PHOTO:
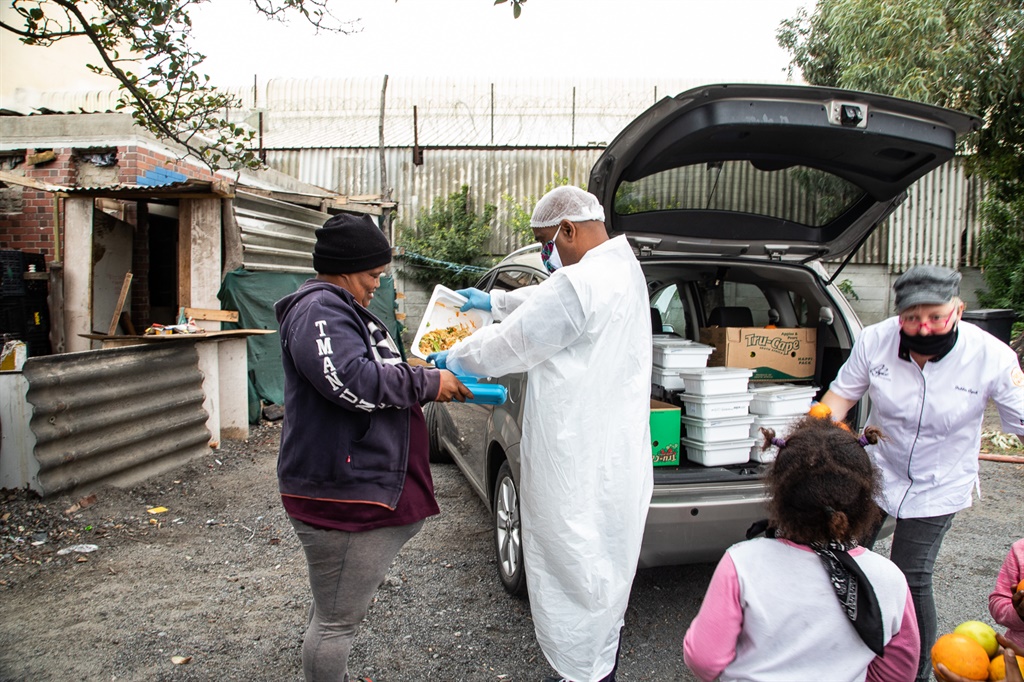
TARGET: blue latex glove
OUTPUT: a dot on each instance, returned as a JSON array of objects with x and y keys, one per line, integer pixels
[
  {"x": 481, "y": 300},
  {"x": 440, "y": 359}
]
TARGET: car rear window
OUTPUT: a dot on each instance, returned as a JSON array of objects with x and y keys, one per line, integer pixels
[{"x": 797, "y": 193}]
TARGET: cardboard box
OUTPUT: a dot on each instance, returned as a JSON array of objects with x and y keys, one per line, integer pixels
[
  {"x": 665, "y": 422},
  {"x": 773, "y": 354}
]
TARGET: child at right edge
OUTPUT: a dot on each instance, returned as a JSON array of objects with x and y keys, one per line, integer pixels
[{"x": 1006, "y": 603}]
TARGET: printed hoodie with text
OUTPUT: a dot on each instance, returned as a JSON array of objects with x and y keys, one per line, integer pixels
[{"x": 347, "y": 392}]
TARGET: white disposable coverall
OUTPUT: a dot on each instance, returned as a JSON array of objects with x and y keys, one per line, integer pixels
[{"x": 584, "y": 337}]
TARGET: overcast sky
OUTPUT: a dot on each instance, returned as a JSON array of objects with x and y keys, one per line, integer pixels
[{"x": 713, "y": 40}]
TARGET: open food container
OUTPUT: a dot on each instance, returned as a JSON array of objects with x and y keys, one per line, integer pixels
[{"x": 443, "y": 324}]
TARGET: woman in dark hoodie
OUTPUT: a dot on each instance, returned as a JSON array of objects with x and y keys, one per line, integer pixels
[{"x": 353, "y": 467}]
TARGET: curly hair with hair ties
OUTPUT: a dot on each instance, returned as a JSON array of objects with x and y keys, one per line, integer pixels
[{"x": 822, "y": 484}]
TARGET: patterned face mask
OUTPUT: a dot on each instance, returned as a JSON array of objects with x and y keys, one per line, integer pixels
[{"x": 549, "y": 253}]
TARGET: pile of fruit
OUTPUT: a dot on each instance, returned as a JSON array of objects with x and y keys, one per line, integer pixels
[{"x": 972, "y": 651}]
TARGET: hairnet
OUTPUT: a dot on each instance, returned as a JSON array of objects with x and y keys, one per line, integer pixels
[{"x": 566, "y": 203}]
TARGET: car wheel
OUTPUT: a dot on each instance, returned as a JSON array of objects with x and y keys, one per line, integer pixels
[
  {"x": 438, "y": 455},
  {"x": 508, "y": 533}
]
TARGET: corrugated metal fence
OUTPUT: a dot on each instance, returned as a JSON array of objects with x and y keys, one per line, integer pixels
[
  {"x": 493, "y": 176},
  {"x": 937, "y": 224},
  {"x": 115, "y": 415}
]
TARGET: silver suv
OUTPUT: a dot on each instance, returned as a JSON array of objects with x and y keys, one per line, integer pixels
[{"x": 731, "y": 195}]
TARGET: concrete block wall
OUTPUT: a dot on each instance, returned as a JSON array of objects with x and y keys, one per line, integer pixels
[{"x": 873, "y": 286}]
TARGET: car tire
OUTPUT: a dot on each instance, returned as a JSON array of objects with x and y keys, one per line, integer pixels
[
  {"x": 438, "y": 455},
  {"x": 508, "y": 533}
]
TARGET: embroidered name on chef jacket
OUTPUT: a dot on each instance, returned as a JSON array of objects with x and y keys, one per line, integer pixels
[{"x": 325, "y": 350}]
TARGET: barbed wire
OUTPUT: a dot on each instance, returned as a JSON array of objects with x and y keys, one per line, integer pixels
[{"x": 426, "y": 261}]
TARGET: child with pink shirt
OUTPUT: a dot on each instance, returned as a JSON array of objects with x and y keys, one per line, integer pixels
[
  {"x": 1006, "y": 603},
  {"x": 806, "y": 603}
]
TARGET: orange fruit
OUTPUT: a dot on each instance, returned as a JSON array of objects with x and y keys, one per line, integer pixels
[
  {"x": 997, "y": 668},
  {"x": 820, "y": 410},
  {"x": 1020, "y": 586},
  {"x": 961, "y": 655}
]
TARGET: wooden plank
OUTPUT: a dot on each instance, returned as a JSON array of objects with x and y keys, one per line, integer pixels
[
  {"x": 211, "y": 314},
  {"x": 126, "y": 323},
  {"x": 120, "y": 303},
  {"x": 21, "y": 181},
  {"x": 41, "y": 157}
]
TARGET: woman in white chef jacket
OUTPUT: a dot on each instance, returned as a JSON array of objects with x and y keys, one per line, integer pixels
[{"x": 929, "y": 376}]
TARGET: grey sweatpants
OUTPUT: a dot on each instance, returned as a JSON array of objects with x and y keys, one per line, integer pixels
[{"x": 345, "y": 569}]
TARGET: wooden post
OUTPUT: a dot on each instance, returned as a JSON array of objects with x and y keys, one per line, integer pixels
[{"x": 125, "y": 286}]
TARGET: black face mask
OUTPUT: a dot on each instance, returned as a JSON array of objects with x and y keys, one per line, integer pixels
[{"x": 933, "y": 344}]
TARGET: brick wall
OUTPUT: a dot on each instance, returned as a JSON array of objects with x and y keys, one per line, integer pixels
[{"x": 26, "y": 214}]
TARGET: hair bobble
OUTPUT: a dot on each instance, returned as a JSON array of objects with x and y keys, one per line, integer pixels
[
  {"x": 779, "y": 442},
  {"x": 863, "y": 440}
]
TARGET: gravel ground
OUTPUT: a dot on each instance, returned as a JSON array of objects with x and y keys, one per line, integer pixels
[{"x": 215, "y": 588}]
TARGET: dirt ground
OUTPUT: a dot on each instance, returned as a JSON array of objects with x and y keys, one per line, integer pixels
[{"x": 214, "y": 588}]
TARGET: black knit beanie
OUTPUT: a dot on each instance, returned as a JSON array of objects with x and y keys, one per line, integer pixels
[{"x": 349, "y": 243}]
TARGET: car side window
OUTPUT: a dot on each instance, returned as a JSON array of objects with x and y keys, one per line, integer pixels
[
  {"x": 512, "y": 279},
  {"x": 670, "y": 305},
  {"x": 734, "y": 297}
]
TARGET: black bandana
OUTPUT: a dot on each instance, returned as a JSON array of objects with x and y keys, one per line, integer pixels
[
  {"x": 855, "y": 593},
  {"x": 936, "y": 345}
]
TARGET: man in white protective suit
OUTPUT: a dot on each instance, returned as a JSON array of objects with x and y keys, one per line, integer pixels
[{"x": 584, "y": 337}]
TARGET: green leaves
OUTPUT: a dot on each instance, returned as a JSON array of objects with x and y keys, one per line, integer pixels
[
  {"x": 447, "y": 245},
  {"x": 161, "y": 83},
  {"x": 963, "y": 54},
  {"x": 517, "y": 6}
]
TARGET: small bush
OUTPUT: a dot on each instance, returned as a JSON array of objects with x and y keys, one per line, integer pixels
[{"x": 448, "y": 244}]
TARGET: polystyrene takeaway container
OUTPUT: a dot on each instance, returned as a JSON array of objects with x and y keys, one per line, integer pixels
[
  {"x": 715, "y": 380},
  {"x": 717, "y": 454},
  {"x": 442, "y": 313},
  {"x": 781, "y": 425},
  {"x": 781, "y": 399},
  {"x": 680, "y": 353},
  {"x": 715, "y": 406},
  {"x": 717, "y": 429}
]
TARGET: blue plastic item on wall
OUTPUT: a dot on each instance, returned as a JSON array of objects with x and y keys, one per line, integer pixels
[{"x": 484, "y": 394}]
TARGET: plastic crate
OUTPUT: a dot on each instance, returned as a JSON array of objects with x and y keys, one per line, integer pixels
[
  {"x": 718, "y": 454},
  {"x": 781, "y": 399},
  {"x": 717, "y": 430},
  {"x": 680, "y": 353},
  {"x": 715, "y": 406},
  {"x": 781, "y": 425},
  {"x": 35, "y": 262},
  {"x": 12, "y": 266},
  {"x": 715, "y": 380},
  {"x": 13, "y": 317}
]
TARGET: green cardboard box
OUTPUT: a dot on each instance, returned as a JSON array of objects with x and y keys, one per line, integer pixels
[{"x": 664, "y": 433}]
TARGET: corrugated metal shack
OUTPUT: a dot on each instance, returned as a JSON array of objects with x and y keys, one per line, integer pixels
[{"x": 134, "y": 236}]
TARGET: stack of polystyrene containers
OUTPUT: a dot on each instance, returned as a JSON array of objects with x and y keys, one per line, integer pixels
[
  {"x": 717, "y": 419},
  {"x": 672, "y": 354},
  {"x": 776, "y": 406}
]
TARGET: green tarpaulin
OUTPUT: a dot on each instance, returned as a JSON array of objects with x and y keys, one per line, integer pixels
[{"x": 253, "y": 295}]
